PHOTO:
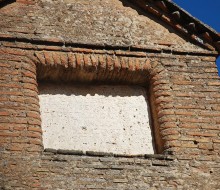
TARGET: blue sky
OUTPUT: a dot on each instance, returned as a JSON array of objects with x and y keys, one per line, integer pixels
[{"x": 208, "y": 11}]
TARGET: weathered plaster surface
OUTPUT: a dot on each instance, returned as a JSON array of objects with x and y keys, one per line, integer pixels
[
  {"x": 113, "y": 23},
  {"x": 96, "y": 118}
]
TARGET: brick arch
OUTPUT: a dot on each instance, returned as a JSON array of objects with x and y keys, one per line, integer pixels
[{"x": 91, "y": 67}]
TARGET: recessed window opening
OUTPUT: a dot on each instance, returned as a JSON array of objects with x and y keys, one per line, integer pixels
[{"x": 103, "y": 118}]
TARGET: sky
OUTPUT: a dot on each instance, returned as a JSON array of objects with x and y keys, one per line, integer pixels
[{"x": 207, "y": 11}]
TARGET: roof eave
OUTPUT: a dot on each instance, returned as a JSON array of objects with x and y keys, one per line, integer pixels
[{"x": 183, "y": 22}]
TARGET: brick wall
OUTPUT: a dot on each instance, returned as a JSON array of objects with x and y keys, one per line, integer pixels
[
  {"x": 194, "y": 87},
  {"x": 20, "y": 119},
  {"x": 181, "y": 79},
  {"x": 56, "y": 171},
  {"x": 184, "y": 93}
]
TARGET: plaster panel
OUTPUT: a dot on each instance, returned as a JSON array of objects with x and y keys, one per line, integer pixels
[{"x": 95, "y": 118}]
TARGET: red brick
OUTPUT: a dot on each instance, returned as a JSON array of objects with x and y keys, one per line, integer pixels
[
  {"x": 173, "y": 143},
  {"x": 29, "y": 93},
  {"x": 5, "y": 65},
  {"x": 16, "y": 147},
  {"x": 166, "y": 119},
  {"x": 168, "y": 125},
  {"x": 211, "y": 70},
  {"x": 4, "y": 113},
  {"x": 36, "y": 129},
  {"x": 216, "y": 140},
  {"x": 14, "y": 51},
  {"x": 216, "y": 146},
  {"x": 165, "y": 112},
  {"x": 211, "y": 127},
  {"x": 160, "y": 82},
  {"x": 29, "y": 74},
  {"x": 35, "y": 148},
  {"x": 87, "y": 62},
  {"x": 72, "y": 60},
  {"x": 202, "y": 134},
  {"x": 110, "y": 63},
  {"x": 206, "y": 146},
  {"x": 188, "y": 144},
  {"x": 20, "y": 140},
  {"x": 79, "y": 61},
  {"x": 20, "y": 128},
  {"x": 216, "y": 83},
  {"x": 163, "y": 100},
  {"x": 34, "y": 121},
  {"x": 64, "y": 59},
  {"x": 206, "y": 58},
  {"x": 48, "y": 58},
  {"x": 102, "y": 62},
  {"x": 2, "y": 127},
  {"x": 33, "y": 115},
  {"x": 32, "y": 134},
  {"x": 117, "y": 63},
  {"x": 36, "y": 141},
  {"x": 169, "y": 132},
  {"x": 83, "y": 50},
  {"x": 188, "y": 125},
  {"x": 9, "y": 134},
  {"x": 131, "y": 64},
  {"x": 30, "y": 86},
  {"x": 41, "y": 57},
  {"x": 182, "y": 112}
]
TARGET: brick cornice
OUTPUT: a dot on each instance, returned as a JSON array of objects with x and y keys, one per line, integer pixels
[{"x": 55, "y": 44}]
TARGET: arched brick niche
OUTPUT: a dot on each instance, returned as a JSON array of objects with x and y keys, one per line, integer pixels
[
  {"x": 85, "y": 66},
  {"x": 20, "y": 116}
]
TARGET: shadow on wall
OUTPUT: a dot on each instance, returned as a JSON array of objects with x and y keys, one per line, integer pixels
[{"x": 69, "y": 89}]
